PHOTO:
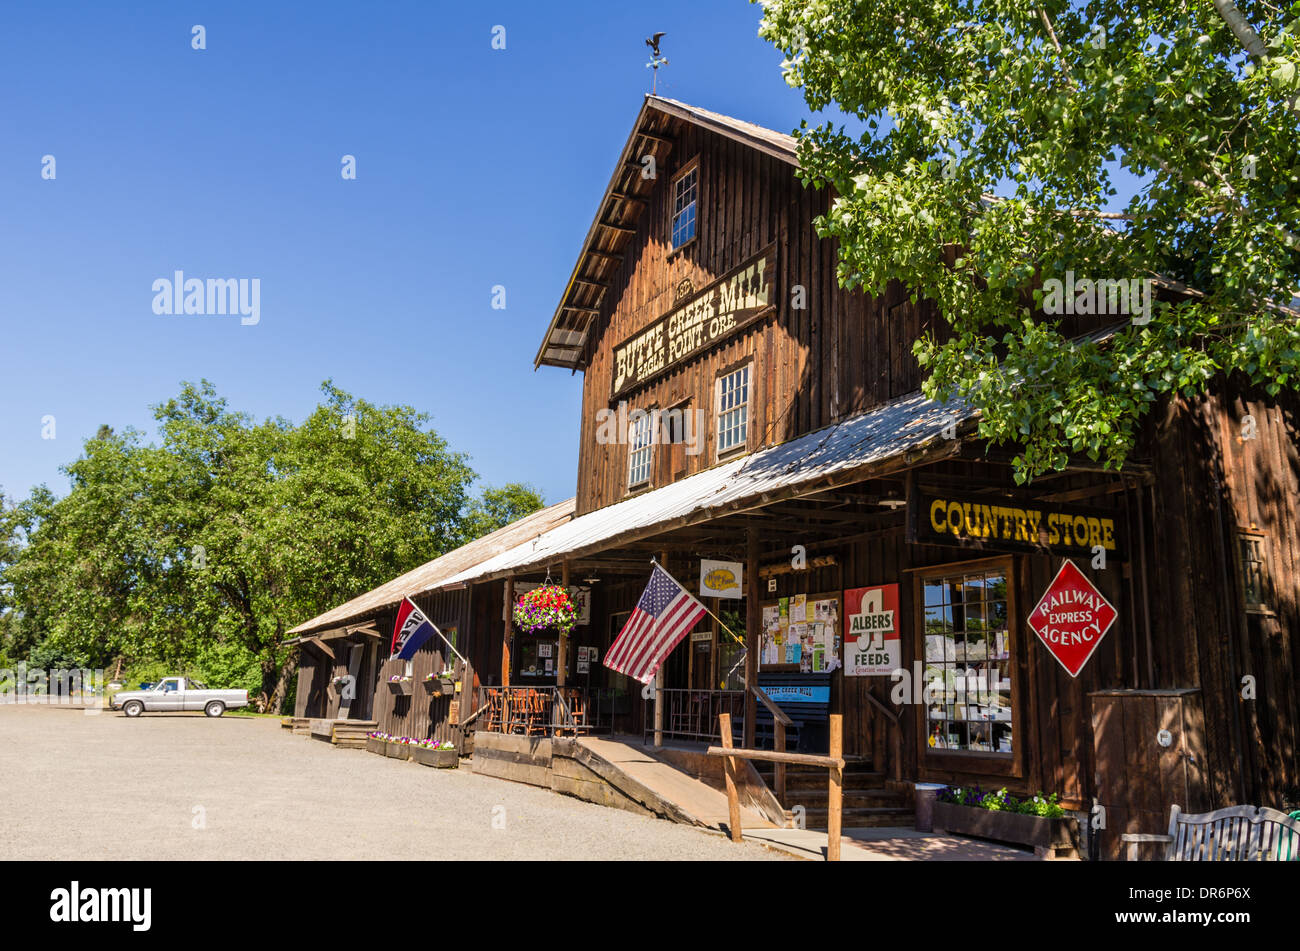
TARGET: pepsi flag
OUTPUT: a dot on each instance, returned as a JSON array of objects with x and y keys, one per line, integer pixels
[
  {"x": 663, "y": 616},
  {"x": 411, "y": 630}
]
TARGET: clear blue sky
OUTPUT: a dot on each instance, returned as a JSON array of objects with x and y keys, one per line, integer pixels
[{"x": 475, "y": 167}]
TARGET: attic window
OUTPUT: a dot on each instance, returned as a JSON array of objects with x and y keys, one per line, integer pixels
[{"x": 686, "y": 192}]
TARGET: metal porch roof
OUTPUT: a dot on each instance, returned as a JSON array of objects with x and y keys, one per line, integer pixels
[{"x": 857, "y": 446}]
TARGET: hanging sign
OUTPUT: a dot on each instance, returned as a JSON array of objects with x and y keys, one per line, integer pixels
[
  {"x": 993, "y": 523},
  {"x": 721, "y": 579},
  {"x": 1072, "y": 618},
  {"x": 738, "y": 298},
  {"x": 798, "y": 693},
  {"x": 872, "y": 647}
]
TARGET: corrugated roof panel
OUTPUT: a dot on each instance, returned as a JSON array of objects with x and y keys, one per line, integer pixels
[
  {"x": 433, "y": 574},
  {"x": 857, "y": 442}
]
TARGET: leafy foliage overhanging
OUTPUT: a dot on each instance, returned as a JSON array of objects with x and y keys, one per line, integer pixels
[{"x": 1042, "y": 105}]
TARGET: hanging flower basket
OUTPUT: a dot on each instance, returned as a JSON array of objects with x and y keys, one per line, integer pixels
[
  {"x": 400, "y": 685},
  {"x": 549, "y": 607}
]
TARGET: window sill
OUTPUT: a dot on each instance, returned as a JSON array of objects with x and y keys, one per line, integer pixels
[{"x": 678, "y": 250}]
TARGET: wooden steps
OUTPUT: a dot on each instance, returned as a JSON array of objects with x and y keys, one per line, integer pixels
[
  {"x": 867, "y": 802},
  {"x": 860, "y": 817},
  {"x": 349, "y": 734}
]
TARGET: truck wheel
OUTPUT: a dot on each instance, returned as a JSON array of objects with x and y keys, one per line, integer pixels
[
  {"x": 214, "y": 709},
  {"x": 133, "y": 708}
]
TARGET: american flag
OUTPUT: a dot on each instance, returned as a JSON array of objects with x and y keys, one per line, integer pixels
[{"x": 663, "y": 616}]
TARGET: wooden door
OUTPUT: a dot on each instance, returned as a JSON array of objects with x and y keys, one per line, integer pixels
[{"x": 1150, "y": 754}]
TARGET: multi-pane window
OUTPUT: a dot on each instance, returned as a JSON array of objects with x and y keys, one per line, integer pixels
[
  {"x": 968, "y": 665},
  {"x": 640, "y": 448},
  {"x": 685, "y": 194},
  {"x": 733, "y": 410},
  {"x": 1252, "y": 559}
]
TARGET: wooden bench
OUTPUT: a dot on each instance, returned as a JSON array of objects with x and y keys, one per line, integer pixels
[
  {"x": 805, "y": 699},
  {"x": 1234, "y": 834}
]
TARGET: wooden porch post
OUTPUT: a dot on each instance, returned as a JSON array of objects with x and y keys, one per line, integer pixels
[
  {"x": 562, "y": 661},
  {"x": 717, "y": 638},
  {"x": 659, "y": 679},
  {"x": 753, "y": 621},
  {"x": 509, "y": 631},
  {"x": 729, "y": 775},
  {"x": 835, "y": 790}
]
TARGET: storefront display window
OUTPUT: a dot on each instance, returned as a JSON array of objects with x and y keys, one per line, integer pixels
[
  {"x": 968, "y": 666},
  {"x": 537, "y": 656}
]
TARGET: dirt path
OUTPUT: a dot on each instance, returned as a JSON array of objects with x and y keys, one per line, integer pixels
[{"x": 182, "y": 786}]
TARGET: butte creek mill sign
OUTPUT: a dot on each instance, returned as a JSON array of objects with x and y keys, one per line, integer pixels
[{"x": 739, "y": 297}]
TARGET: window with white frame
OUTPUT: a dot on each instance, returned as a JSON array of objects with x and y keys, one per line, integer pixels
[
  {"x": 640, "y": 449},
  {"x": 686, "y": 190},
  {"x": 733, "y": 410}
]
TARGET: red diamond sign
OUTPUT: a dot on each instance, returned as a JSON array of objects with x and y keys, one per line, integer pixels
[{"x": 1072, "y": 618}]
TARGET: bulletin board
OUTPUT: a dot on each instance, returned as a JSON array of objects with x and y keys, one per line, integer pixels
[{"x": 802, "y": 633}]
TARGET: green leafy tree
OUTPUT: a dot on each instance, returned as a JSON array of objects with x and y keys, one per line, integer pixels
[
  {"x": 203, "y": 550},
  {"x": 987, "y": 138},
  {"x": 496, "y": 508}
]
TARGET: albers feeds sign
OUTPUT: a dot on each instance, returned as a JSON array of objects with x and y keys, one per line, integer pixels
[{"x": 740, "y": 297}]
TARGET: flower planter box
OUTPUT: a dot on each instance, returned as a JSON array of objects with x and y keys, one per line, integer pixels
[
  {"x": 400, "y": 687},
  {"x": 442, "y": 759},
  {"x": 439, "y": 687},
  {"x": 397, "y": 750},
  {"x": 1052, "y": 838},
  {"x": 375, "y": 745}
]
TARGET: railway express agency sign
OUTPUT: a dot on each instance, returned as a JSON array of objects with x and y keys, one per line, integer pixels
[
  {"x": 1072, "y": 618},
  {"x": 739, "y": 297}
]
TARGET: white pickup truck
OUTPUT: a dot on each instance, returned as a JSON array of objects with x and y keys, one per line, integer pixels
[{"x": 172, "y": 694}]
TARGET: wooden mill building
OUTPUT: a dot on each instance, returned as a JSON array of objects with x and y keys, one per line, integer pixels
[{"x": 739, "y": 407}]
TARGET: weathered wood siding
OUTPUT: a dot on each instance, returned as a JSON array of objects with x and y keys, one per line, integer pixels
[
  {"x": 421, "y": 714},
  {"x": 842, "y": 353}
]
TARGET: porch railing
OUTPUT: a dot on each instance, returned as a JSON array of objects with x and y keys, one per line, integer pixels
[
  {"x": 693, "y": 714},
  {"x": 534, "y": 711}
]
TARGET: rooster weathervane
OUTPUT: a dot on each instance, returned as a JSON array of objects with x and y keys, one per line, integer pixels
[{"x": 656, "y": 59}]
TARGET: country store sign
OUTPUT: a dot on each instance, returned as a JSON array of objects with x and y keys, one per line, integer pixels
[
  {"x": 1072, "y": 618},
  {"x": 994, "y": 523},
  {"x": 738, "y": 298}
]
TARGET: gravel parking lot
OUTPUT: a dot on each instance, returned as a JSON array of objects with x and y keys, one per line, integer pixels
[{"x": 180, "y": 786}]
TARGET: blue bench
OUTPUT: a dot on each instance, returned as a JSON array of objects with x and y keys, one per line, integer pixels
[{"x": 805, "y": 699}]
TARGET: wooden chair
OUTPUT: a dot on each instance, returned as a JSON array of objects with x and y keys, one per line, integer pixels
[
  {"x": 578, "y": 709},
  {"x": 496, "y": 711},
  {"x": 1234, "y": 834},
  {"x": 573, "y": 702},
  {"x": 535, "y": 713}
]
